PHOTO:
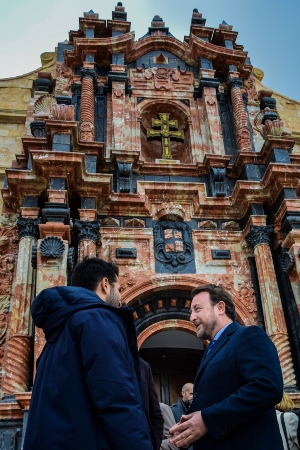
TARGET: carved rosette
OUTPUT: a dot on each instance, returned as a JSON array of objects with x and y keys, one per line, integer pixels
[
  {"x": 240, "y": 115},
  {"x": 86, "y": 125},
  {"x": 85, "y": 230},
  {"x": 28, "y": 227},
  {"x": 259, "y": 235}
]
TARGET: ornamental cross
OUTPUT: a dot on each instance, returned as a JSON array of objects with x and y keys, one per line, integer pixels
[{"x": 165, "y": 133}]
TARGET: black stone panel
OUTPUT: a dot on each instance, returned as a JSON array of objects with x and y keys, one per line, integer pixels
[
  {"x": 91, "y": 163},
  {"x": 100, "y": 115},
  {"x": 147, "y": 61},
  {"x": 255, "y": 283},
  {"x": 11, "y": 434},
  {"x": 228, "y": 127}
]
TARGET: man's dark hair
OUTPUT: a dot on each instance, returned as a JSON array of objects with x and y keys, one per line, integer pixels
[
  {"x": 217, "y": 294},
  {"x": 90, "y": 271}
]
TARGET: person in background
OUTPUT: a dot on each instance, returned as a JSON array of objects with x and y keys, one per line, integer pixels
[
  {"x": 288, "y": 423},
  {"x": 169, "y": 422},
  {"x": 151, "y": 404},
  {"x": 183, "y": 406}
]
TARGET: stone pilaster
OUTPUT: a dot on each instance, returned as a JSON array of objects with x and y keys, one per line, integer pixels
[
  {"x": 87, "y": 119},
  {"x": 209, "y": 87},
  {"x": 259, "y": 238},
  {"x": 52, "y": 260},
  {"x": 87, "y": 234},
  {"x": 18, "y": 353},
  {"x": 240, "y": 114}
]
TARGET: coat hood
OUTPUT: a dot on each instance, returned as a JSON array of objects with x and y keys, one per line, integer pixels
[{"x": 53, "y": 307}]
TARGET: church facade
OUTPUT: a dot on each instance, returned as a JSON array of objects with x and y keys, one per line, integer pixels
[{"x": 169, "y": 159}]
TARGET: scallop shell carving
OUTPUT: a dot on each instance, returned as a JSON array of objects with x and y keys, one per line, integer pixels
[
  {"x": 44, "y": 103},
  {"x": 52, "y": 247}
]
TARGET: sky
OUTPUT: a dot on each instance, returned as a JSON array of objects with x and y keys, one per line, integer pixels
[{"x": 268, "y": 30}]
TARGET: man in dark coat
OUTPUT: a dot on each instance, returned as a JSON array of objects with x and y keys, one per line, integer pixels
[
  {"x": 86, "y": 393},
  {"x": 152, "y": 408},
  {"x": 183, "y": 406},
  {"x": 237, "y": 385}
]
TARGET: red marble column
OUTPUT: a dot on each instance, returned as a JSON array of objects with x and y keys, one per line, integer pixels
[
  {"x": 259, "y": 238},
  {"x": 87, "y": 126},
  {"x": 240, "y": 115},
  {"x": 18, "y": 353}
]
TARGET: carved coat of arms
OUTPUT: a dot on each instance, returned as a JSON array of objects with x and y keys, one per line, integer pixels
[{"x": 173, "y": 246}]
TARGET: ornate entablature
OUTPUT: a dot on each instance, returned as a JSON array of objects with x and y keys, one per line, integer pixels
[{"x": 167, "y": 158}]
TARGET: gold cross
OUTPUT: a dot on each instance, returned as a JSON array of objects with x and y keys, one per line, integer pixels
[{"x": 165, "y": 133}]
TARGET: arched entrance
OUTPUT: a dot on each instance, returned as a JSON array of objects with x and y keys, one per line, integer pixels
[
  {"x": 174, "y": 357},
  {"x": 167, "y": 340}
]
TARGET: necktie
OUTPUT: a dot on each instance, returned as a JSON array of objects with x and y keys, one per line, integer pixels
[{"x": 210, "y": 347}]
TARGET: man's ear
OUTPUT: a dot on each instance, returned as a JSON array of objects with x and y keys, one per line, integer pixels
[
  {"x": 103, "y": 288},
  {"x": 221, "y": 307}
]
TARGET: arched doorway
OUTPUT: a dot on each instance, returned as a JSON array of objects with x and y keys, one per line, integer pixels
[
  {"x": 174, "y": 357},
  {"x": 167, "y": 340}
]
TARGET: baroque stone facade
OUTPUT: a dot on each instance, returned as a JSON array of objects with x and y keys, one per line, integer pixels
[{"x": 167, "y": 158}]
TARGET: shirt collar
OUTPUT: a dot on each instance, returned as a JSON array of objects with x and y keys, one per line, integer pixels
[{"x": 221, "y": 331}]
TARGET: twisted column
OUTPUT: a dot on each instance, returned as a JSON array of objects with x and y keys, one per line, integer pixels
[
  {"x": 88, "y": 235},
  {"x": 18, "y": 353},
  {"x": 240, "y": 115},
  {"x": 87, "y": 119},
  {"x": 259, "y": 238}
]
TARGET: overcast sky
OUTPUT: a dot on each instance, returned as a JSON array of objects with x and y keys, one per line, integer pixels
[{"x": 269, "y": 30}]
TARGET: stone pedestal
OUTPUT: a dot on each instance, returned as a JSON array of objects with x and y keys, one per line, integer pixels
[
  {"x": 259, "y": 239},
  {"x": 18, "y": 353}
]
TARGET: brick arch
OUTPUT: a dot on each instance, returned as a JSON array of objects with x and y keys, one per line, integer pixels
[
  {"x": 164, "y": 325},
  {"x": 182, "y": 282}
]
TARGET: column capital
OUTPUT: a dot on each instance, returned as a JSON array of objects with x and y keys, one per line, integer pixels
[
  {"x": 87, "y": 230},
  {"x": 28, "y": 227},
  {"x": 88, "y": 73},
  {"x": 234, "y": 83},
  {"x": 259, "y": 235}
]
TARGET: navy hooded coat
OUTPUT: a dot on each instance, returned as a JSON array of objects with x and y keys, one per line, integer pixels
[{"x": 86, "y": 393}]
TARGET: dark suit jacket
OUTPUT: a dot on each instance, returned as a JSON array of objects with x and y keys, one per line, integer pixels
[
  {"x": 236, "y": 388},
  {"x": 154, "y": 414}
]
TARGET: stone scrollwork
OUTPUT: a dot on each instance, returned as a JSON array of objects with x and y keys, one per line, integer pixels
[
  {"x": 52, "y": 247},
  {"x": 85, "y": 230},
  {"x": 287, "y": 260},
  {"x": 259, "y": 235}
]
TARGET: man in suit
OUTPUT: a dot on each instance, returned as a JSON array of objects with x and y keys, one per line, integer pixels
[
  {"x": 237, "y": 385},
  {"x": 183, "y": 406}
]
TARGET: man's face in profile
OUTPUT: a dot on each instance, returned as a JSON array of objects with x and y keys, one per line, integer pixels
[
  {"x": 114, "y": 296},
  {"x": 203, "y": 316}
]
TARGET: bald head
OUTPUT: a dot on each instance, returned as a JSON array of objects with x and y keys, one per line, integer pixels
[{"x": 187, "y": 392}]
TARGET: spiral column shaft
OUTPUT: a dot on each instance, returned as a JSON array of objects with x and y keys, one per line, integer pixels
[
  {"x": 240, "y": 117},
  {"x": 87, "y": 116}
]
